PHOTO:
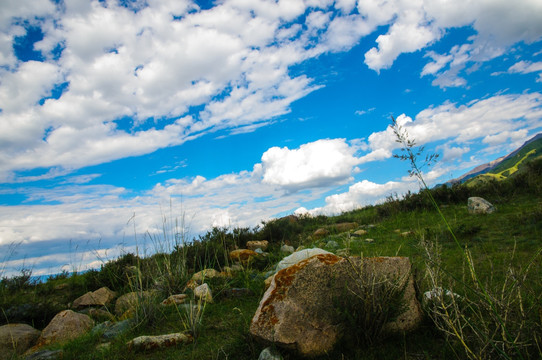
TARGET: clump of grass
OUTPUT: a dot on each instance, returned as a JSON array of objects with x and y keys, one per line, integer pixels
[{"x": 370, "y": 302}]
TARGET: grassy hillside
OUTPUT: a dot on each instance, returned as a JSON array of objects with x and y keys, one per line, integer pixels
[
  {"x": 504, "y": 248},
  {"x": 511, "y": 165}
]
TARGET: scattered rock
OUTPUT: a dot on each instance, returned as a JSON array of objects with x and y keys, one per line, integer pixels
[
  {"x": 46, "y": 355},
  {"x": 344, "y": 227},
  {"x": 200, "y": 276},
  {"x": 369, "y": 240},
  {"x": 66, "y": 325},
  {"x": 144, "y": 343},
  {"x": 16, "y": 339},
  {"x": 320, "y": 233},
  {"x": 260, "y": 244},
  {"x": 130, "y": 301},
  {"x": 478, "y": 205},
  {"x": 407, "y": 233},
  {"x": 244, "y": 256},
  {"x": 99, "y": 297},
  {"x": 203, "y": 292},
  {"x": 297, "y": 310},
  {"x": 98, "y": 314},
  {"x": 398, "y": 231},
  {"x": 175, "y": 300},
  {"x": 270, "y": 353},
  {"x": 287, "y": 249},
  {"x": 360, "y": 233}
]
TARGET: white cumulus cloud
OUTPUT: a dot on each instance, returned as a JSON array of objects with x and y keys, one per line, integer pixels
[{"x": 316, "y": 164}]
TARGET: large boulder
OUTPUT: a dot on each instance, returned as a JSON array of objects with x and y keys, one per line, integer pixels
[
  {"x": 99, "y": 297},
  {"x": 478, "y": 205},
  {"x": 16, "y": 339},
  {"x": 299, "y": 310},
  {"x": 66, "y": 325}
]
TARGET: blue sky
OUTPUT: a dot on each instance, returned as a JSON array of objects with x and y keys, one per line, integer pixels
[{"x": 114, "y": 114}]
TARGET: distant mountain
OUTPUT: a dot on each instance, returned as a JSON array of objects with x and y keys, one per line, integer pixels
[{"x": 504, "y": 166}]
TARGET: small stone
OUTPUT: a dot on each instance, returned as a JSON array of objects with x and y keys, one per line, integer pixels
[
  {"x": 99, "y": 297},
  {"x": 344, "y": 227},
  {"x": 270, "y": 354},
  {"x": 203, "y": 292},
  {"x": 205, "y": 274},
  {"x": 144, "y": 343},
  {"x": 320, "y": 233},
  {"x": 478, "y": 205},
  {"x": 360, "y": 233},
  {"x": 261, "y": 244},
  {"x": 287, "y": 249},
  {"x": 175, "y": 300},
  {"x": 244, "y": 256},
  {"x": 46, "y": 355},
  {"x": 369, "y": 240}
]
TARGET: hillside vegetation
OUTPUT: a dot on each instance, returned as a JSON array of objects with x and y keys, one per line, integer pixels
[{"x": 499, "y": 315}]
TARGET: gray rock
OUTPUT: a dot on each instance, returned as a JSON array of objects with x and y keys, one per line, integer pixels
[
  {"x": 270, "y": 354},
  {"x": 478, "y": 205},
  {"x": 16, "y": 339},
  {"x": 111, "y": 330},
  {"x": 287, "y": 249},
  {"x": 143, "y": 343},
  {"x": 46, "y": 355},
  {"x": 203, "y": 293}
]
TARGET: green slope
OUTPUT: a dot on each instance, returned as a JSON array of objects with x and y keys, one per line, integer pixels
[{"x": 511, "y": 165}]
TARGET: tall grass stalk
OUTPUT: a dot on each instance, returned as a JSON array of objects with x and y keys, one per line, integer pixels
[{"x": 494, "y": 305}]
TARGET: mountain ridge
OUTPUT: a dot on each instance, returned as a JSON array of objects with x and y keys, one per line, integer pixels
[{"x": 499, "y": 164}]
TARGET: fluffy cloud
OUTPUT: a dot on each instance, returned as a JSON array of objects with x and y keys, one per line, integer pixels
[
  {"x": 317, "y": 164},
  {"x": 155, "y": 62},
  {"x": 360, "y": 194},
  {"x": 499, "y": 115},
  {"x": 415, "y": 24}
]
